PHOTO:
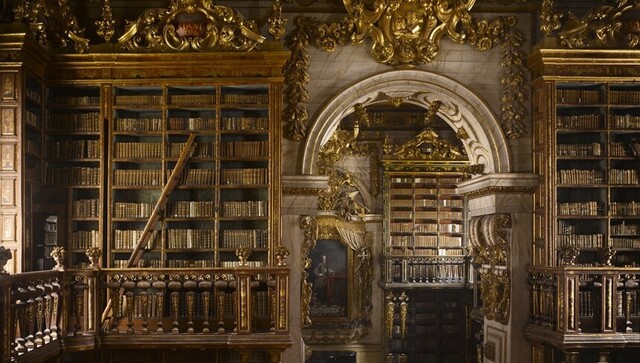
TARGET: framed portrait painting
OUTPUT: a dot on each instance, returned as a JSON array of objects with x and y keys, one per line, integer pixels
[{"x": 336, "y": 276}]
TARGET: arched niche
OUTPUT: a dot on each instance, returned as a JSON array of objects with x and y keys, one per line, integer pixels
[{"x": 461, "y": 108}]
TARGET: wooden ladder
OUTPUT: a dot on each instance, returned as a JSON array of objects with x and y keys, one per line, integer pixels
[{"x": 156, "y": 214}]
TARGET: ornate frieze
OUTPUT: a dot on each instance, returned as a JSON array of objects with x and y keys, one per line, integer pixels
[
  {"x": 190, "y": 25},
  {"x": 490, "y": 248}
]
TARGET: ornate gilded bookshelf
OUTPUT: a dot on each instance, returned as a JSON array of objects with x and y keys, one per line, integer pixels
[
  {"x": 221, "y": 202},
  {"x": 425, "y": 271},
  {"x": 423, "y": 225},
  {"x": 586, "y": 147},
  {"x": 100, "y": 138}
]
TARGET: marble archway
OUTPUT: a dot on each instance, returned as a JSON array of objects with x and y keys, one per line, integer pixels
[{"x": 461, "y": 108}]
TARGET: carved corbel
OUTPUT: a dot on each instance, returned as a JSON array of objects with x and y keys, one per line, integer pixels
[{"x": 489, "y": 238}]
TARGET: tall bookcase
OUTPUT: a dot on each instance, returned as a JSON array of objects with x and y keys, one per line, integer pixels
[
  {"x": 222, "y": 201},
  {"x": 424, "y": 267},
  {"x": 94, "y": 141},
  {"x": 587, "y": 150},
  {"x": 74, "y": 163},
  {"x": 424, "y": 228}
]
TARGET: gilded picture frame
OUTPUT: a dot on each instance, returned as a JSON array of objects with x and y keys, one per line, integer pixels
[{"x": 336, "y": 278}]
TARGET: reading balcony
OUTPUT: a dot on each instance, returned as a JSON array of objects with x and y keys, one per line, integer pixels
[{"x": 243, "y": 309}]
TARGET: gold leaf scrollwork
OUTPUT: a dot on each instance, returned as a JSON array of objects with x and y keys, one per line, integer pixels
[
  {"x": 405, "y": 32},
  {"x": 105, "y": 25},
  {"x": 549, "y": 19},
  {"x": 490, "y": 251},
  {"x": 52, "y": 24},
  {"x": 604, "y": 26},
  {"x": 190, "y": 25},
  {"x": 308, "y": 31},
  {"x": 276, "y": 21},
  {"x": 484, "y": 35}
]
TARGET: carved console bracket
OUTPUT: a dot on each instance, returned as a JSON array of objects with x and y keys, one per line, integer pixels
[
  {"x": 604, "y": 26},
  {"x": 190, "y": 25},
  {"x": 405, "y": 32},
  {"x": 490, "y": 248}
]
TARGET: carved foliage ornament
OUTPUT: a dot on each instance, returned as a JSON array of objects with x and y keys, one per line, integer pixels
[
  {"x": 190, "y": 25},
  {"x": 490, "y": 246},
  {"x": 604, "y": 26},
  {"x": 52, "y": 24},
  {"x": 405, "y": 32}
]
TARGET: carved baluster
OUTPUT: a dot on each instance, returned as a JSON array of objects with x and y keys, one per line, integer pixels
[
  {"x": 144, "y": 302},
  {"x": 39, "y": 307},
  {"x": 47, "y": 312},
  {"x": 114, "y": 294},
  {"x": 175, "y": 302},
  {"x": 21, "y": 324},
  {"x": 129, "y": 301},
  {"x": 128, "y": 287},
  {"x": 159, "y": 296},
  {"x": 31, "y": 318},
  {"x": 144, "y": 285},
  {"x": 220, "y": 287},
  {"x": 190, "y": 286},
  {"x": 55, "y": 303},
  {"x": 205, "y": 288}
]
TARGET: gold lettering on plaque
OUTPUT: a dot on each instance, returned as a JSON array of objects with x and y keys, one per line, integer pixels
[
  {"x": 8, "y": 157},
  {"x": 8, "y": 227},
  {"x": 8, "y": 121},
  {"x": 8, "y": 192},
  {"x": 8, "y": 86}
]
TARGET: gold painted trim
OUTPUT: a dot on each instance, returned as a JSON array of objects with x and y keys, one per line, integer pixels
[
  {"x": 302, "y": 191},
  {"x": 497, "y": 190}
]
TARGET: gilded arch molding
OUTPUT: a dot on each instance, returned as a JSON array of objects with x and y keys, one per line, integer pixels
[
  {"x": 406, "y": 32},
  {"x": 461, "y": 109}
]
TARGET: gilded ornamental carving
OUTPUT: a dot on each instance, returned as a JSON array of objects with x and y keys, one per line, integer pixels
[
  {"x": 604, "y": 26},
  {"x": 190, "y": 25},
  {"x": 337, "y": 278},
  {"x": 406, "y": 32},
  {"x": 490, "y": 248},
  {"x": 52, "y": 24}
]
